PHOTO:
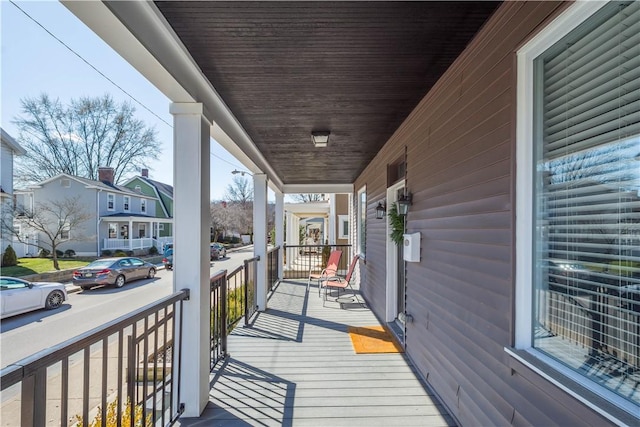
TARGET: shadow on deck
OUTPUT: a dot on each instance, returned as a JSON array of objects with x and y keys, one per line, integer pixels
[{"x": 295, "y": 366}]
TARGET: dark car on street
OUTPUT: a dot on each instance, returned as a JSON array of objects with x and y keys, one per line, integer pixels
[
  {"x": 215, "y": 253},
  {"x": 113, "y": 271},
  {"x": 222, "y": 251},
  {"x": 167, "y": 260}
]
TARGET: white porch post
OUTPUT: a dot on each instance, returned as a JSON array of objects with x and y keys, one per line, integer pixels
[
  {"x": 191, "y": 166},
  {"x": 280, "y": 231},
  {"x": 332, "y": 219},
  {"x": 129, "y": 234},
  {"x": 260, "y": 237}
]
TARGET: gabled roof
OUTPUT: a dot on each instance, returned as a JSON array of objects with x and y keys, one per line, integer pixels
[
  {"x": 90, "y": 183},
  {"x": 12, "y": 143},
  {"x": 162, "y": 187},
  {"x": 158, "y": 187}
]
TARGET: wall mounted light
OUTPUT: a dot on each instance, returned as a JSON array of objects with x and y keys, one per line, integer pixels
[
  {"x": 403, "y": 203},
  {"x": 320, "y": 138},
  {"x": 381, "y": 209}
]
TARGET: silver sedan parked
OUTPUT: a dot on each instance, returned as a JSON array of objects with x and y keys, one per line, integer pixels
[
  {"x": 113, "y": 271},
  {"x": 19, "y": 296}
]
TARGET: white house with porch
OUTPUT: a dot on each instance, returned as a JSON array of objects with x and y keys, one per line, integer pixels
[{"x": 122, "y": 219}]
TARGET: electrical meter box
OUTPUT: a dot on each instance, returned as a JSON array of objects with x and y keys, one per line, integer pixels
[{"x": 412, "y": 247}]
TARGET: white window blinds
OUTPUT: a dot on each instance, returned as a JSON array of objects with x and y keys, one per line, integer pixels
[{"x": 587, "y": 133}]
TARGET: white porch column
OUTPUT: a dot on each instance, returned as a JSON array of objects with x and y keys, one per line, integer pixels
[
  {"x": 191, "y": 171},
  {"x": 332, "y": 219},
  {"x": 260, "y": 237},
  {"x": 280, "y": 231},
  {"x": 129, "y": 234}
]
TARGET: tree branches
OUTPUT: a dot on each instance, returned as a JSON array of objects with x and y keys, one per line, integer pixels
[{"x": 79, "y": 138}]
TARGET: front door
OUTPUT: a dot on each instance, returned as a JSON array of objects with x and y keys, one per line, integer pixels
[{"x": 395, "y": 265}]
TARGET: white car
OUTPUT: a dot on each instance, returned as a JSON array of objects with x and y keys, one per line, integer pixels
[{"x": 19, "y": 296}]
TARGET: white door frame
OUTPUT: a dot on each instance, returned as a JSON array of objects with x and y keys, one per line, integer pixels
[{"x": 392, "y": 256}]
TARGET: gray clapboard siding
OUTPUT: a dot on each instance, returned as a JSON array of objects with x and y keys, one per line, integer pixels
[{"x": 295, "y": 366}]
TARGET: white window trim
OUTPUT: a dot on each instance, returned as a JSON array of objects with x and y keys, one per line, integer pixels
[
  {"x": 126, "y": 203},
  {"x": 566, "y": 22},
  {"x": 161, "y": 226},
  {"x": 143, "y": 206},
  {"x": 114, "y": 201},
  {"x": 360, "y": 249},
  {"x": 341, "y": 220}
]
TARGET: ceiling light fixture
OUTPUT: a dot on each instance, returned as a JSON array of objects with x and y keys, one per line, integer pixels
[{"x": 320, "y": 138}]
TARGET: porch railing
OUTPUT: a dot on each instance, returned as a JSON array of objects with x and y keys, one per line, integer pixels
[
  {"x": 302, "y": 259},
  {"x": 273, "y": 261},
  {"x": 218, "y": 309},
  {"x": 250, "y": 295},
  {"x": 127, "y": 244},
  {"x": 130, "y": 366},
  {"x": 232, "y": 297}
]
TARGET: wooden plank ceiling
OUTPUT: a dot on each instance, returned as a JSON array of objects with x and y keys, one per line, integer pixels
[{"x": 357, "y": 69}]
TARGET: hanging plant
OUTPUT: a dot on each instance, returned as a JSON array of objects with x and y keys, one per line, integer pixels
[{"x": 396, "y": 223}]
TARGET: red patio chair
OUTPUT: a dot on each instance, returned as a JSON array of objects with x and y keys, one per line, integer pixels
[
  {"x": 329, "y": 271},
  {"x": 337, "y": 282}
]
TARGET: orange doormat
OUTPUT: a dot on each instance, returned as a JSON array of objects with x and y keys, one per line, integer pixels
[{"x": 373, "y": 339}]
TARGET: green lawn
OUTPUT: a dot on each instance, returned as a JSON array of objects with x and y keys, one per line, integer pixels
[{"x": 28, "y": 266}]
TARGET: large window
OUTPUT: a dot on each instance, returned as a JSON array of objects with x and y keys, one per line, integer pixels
[
  {"x": 362, "y": 220},
  {"x": 584, "y": 224},
  {"x": 111, "y": 202}
]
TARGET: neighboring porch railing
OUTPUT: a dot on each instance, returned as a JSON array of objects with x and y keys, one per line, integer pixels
[
  {"x": 130, "y": 366},
  {"x": 127, "y": 244},
  {"x": 302, "y": 259},
  {"x": 160, "y": 242}
]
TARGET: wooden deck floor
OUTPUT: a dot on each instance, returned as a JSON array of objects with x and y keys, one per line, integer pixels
[{"x": 295, "y": 366}]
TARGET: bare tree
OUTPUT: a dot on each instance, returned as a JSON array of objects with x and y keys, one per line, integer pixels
[
  {"x": 240, "y": 198},
  {"x": 79, "y": 138},
  {"x": 305, "y": 198},
  {"x": 224, "y": 217},
  {"x": 55, "y": 221},
  {"x": 240, "y": 191}
]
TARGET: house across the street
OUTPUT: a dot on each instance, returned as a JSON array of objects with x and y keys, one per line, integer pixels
[{"x": 132, "y": 217}]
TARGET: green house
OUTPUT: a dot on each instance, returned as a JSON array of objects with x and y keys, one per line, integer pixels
[{"x": 163, "y": 194}]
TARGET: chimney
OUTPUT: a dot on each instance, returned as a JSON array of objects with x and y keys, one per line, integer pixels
[
  {"x": 145, "y": 173},
  {"x": 105, "y": 174}
]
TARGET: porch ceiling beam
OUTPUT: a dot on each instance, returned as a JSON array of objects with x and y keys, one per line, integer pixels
[
  {"x": 139, "y": 33},
  {"x": 317, "y": 188}
]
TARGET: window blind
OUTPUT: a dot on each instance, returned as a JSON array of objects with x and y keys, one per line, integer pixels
[{"x": 587, "y": 282}]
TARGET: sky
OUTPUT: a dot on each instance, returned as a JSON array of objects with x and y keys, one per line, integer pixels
[{"x": 34, "y": 62}]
